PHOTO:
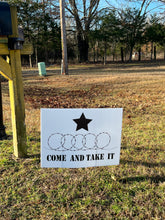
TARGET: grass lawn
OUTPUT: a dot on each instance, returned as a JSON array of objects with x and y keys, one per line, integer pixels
[{"x": 133, "y": 190}]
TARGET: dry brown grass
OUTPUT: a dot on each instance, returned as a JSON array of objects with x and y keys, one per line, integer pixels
[{"x": 133, "y": 190}]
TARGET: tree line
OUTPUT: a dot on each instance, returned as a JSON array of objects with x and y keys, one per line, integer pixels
[{"x": 92, "y": 31}]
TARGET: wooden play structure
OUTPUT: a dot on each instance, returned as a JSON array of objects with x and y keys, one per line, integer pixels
[{"x": 11, "y": 47}]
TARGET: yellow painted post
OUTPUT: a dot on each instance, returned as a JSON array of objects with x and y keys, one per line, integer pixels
[
  {"x": 5, "y": 69},
  {"x": 17, "y": 95}
]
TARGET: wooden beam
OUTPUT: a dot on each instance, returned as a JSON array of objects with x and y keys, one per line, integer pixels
[
  {"x": 3, "y": 40},
  {"x": 4, "y": 49},
  {"x": 5, "y": 69}
]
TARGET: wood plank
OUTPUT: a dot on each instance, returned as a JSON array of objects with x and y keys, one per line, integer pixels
[
  {"x": 5, "y": 69},
  {"x": 4, "y": 49},
  {"x": 3, "y": 40}
]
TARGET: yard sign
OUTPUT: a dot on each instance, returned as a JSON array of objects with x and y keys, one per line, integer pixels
[{"x": 74, "y": 138}]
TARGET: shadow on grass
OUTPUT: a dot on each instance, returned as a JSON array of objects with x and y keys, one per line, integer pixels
[
  {"x": 153, "y": 179},
  {"x": 116, "y": 67},
  {"x": 7, "y": 137},
  {"x": 142, "y": 163},
  {"x": 37, "y": 156},
  {"x": 36, "y": 138}
]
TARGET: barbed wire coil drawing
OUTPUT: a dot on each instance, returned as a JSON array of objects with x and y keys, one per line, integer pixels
[{"x": 69, "y": 142}]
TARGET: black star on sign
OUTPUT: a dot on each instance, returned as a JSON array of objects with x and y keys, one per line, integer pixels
[{"x": 82, "y": 122}]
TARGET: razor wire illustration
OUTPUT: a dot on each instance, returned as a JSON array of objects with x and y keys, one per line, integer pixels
[{"x": 83, "y": 142}]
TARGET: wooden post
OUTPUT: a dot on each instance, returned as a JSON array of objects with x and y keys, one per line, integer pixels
[
  {"x": 2, "y": 127},
  {"x": 11, "y": 70},
  {"x": 17, "y": 95},
  {"x": 63, "y": 38}
]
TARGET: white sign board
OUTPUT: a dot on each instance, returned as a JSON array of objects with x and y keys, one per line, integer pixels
[{"x": 74, "y": 138}]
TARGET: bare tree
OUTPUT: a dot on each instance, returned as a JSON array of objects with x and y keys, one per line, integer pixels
[
  {"x": 133, "y": 15},
  {"x": 83, "y": 12},
  {"x": 148, "y": 6},
  {"x": 144, "y": 6}
]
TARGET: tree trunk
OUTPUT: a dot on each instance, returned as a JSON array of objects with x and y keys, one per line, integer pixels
[
  {"x": 105, "y": 52},
  {"x": 83, "y": 46},
  {"x": 151, "y": 49},
  {"x": 122, "y": 55},
  {"x": 139, "y": 53},
  {"x": 97, "y": 52},
  {"x": 155, "y": 53},
  {"x": 131, "y": 50},
  {"x": 94, "y": 54},
  {"x": 30, "y": 61},
  {"x": 36, "y": 55},
  {"x": 46, "y": 55}
]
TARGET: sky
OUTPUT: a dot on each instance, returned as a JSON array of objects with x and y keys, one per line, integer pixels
[{"x": 123, "y": 4}]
